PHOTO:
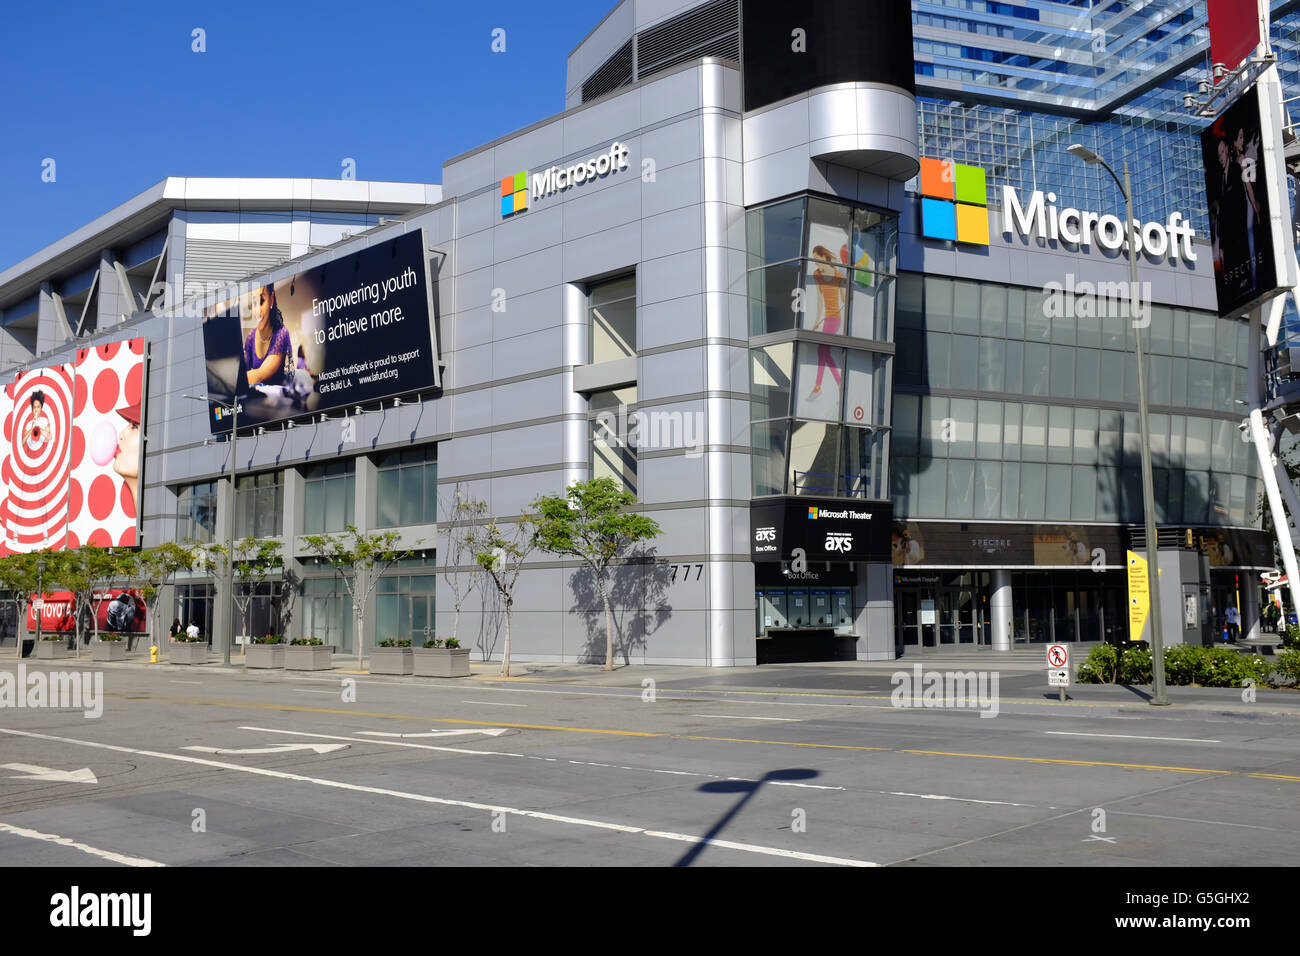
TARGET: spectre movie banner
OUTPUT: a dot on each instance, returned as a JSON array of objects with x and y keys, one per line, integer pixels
[{"x": 345, "y": 333}]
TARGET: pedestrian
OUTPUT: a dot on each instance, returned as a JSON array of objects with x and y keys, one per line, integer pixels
[
  {"x": 1234, "y": 624},
  {"x": 176, "y": 627},
  {"x": 192, "y": 632}
]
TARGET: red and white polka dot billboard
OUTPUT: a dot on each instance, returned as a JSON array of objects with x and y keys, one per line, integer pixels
[{"x": 70, "y": 451}]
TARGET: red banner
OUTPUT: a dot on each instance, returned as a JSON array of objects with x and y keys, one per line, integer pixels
[
  {"x": 1234, "y": 31},
  {"x": 119, "y": 611}
]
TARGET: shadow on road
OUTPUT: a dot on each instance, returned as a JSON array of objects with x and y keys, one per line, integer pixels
[{"x": 748, "y": 788}]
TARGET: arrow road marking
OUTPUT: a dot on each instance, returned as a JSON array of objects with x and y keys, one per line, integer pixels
[
  {"x": 276, "y": 749},
  {"x": 49, "y": 774},
  {"x": 491, "y": 732}
]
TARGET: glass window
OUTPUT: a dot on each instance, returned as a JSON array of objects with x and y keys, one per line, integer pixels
[
  {"x": 1180, "y": 321},
  {"x": 407, "y": 490},
  {"x": 1161, "y": 340},
  {"x": 819, "y": 382},
  {"x": 829, "y": 228},
  {"x": 937, "y": 345},
  {"x": 771, "y": 374},
  {"x": 911, "y": 304},
  {"x": 909, "y": 358},
  {"x": 1177, "y": 441},
  {"x": 938, "y": 304},
  {"x": 1034, "y": 433},
  {"x": 1033, "y": 491},
  {"x": 1087, "y": 363},
  {"x": 1085, "y": 435},
  {"x": 1200, "y": 383},
  {"x": 1223, "y": 393},
  {"x": 1110, "y": 434},
  {"x": 196, "y": 512},
  {"x": 875, "y": 241},
  {"x": 259, "y": 513},
  {"x": 988, "y": 490},
  {"x": 768, "y": 442},
  {"x": 1010, "y": 489},
  {"x": 1038, "y": 323},
  {"x": 1011, "y": 431},
  {"x": 907, "y": 424},
  {"x": 1112, "y": 373},
  {"x": 864, "y": 389},
  {"x": 1015, "y": 366},
  {"x": 962, "y": 432},
  {"x": 611, "y": 308},
  {"x": 614, "y": 398},
  {"x": 1063, "y": 326},
  {"x": 964, "y": 369},
  {"x": 826, "y": 293},
  {"x": 774, "y": 298},
  {"x": 1015, "y": 313},
  {"x": 329, "y": 496},
  {"x": 993, "y": 310},
  {"x": 988, "y": 430},
  {"x": 932, "y": 489},
  {"x": 613, "y": 455},
  {"x": 1132, "y": 441},
  {"x": 871, "y": 306},
  {"x": 404, "y": 608},
  {"x": 936, "y": 427},
  {"x": 1200, "y": 343},
  {"x": 1161, "y": 383},
  {"x": 966, "y": 307},
  {"x": 961, "y": 488},
  {"x": 1060, "y": 435},
  {"x": 775, "y": 233},
  {"x": 865, "y": 455},
  {"x": 1089, "y": 327},
  {"x": 1083, "y": 494},
  {"x": 1063, "y": 371},
  {"x": 327, "y": 611},
  {"x": 814, "y": 453},
  {"x": 1198, "y": 443},
  {"x": 1196, "y": 497},
  {"x": 1057, "y": 506},
  {"x": 1037, "y": 357},
  {"x": 1178, "y": 383},
  {"x": 1107, "y": 494}
]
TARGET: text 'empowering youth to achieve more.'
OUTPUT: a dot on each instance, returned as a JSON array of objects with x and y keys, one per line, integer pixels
[{"x": 371, "y": 294}]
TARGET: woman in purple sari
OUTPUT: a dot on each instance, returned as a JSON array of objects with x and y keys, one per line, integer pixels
[{"x": 268, "y": 352}]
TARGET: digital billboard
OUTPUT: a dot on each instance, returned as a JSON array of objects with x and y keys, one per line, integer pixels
[
  {"x": 1239, "y": 200},
  {"x": 351, "y": 331}
]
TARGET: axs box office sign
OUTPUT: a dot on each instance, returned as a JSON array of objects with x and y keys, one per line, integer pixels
[
  {"x": 351, "y": 331},
  {"x": 827, "y": 529}
]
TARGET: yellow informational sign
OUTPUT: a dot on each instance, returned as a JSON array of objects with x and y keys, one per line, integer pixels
[{"x": 1139, "y": 595}]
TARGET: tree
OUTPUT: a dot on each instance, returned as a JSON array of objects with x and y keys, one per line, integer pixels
[
  {"x": 154, "y": 569},
  {"x": 459, "y": 523},
  {"x": 590, "y": 522},
  {"x": 360, "y": 554},
  {"x": 254, "y": 560},
  {"x": 111, "y": 565},
  {"x": 501, "y": 556},
  {"x": 18, "y": 573}
]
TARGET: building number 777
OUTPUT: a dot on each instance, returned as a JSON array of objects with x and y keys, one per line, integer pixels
[{"x": 686, "y": 574}]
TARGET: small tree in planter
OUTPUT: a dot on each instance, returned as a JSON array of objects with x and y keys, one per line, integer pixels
[
  {"x": 362, "y": 559},
  {"x": 80, "y": 571},
  {"x": 18, "y": 574},
  {"x": 155, "y": 567},
  {"x": 590, "y": 522},
  {"x": 501, "y": 555},
  {"x": 265, "y": 652},
  {"x": 253, "y": 560},
  {"x": 392, "y": 656},
  {"x": 459, "y": 522},
  {"x": 438, "y": 658}
]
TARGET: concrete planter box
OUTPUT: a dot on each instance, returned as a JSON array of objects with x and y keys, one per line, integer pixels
[
  {"x": 441, "y": 661},
  {"x": 56, "y": 650},
  {"x": 182, "y": 652},
  {"x": 391, "y": 660},
  {"x": 308, "y": 657},
  {"x": 108, "y": 651},
  {"x": 263, "y": 655}
]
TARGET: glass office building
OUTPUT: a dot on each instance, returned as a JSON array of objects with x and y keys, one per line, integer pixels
[{"x": 862, "y": 435}]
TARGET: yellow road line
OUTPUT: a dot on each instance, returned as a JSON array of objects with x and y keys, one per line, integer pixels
[
  {"x": 779, "y": 743},
  {"x": 1071, "y": 763}
]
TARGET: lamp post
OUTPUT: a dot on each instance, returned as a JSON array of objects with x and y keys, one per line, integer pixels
[
  {"x": 1158, "y": 696},
  {"x": 40, "y": 599},
  {"x": 228, "y": 573}
]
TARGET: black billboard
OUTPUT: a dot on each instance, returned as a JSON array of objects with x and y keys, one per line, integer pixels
[
  {"x": 1239, "y": 201},
  {"x": 827, "y": 529},
  {"x": 351, "y": 331},
  {"x": 790, "y": 48}
]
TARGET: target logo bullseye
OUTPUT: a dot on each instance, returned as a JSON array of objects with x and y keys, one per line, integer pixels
[{"x": 38, "y": 410}]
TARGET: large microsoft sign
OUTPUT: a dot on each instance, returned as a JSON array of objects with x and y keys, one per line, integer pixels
[{"x": 516, "y": 189}]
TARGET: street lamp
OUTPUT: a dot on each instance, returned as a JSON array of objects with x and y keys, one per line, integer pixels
[
  {"x": 228, "y": 575},
  {"x": 1158, "y": 696},
  {"x": 40, "y": 598}
]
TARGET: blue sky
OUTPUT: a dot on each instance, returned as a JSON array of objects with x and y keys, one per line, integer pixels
[{"x": 115, "y": 96}]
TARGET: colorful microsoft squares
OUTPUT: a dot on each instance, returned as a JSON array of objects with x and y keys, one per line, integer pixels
[
  {"x": 514, "y": 194},
  {"x": 812, "y": 512},
  {"x": 954, "y": 202}
]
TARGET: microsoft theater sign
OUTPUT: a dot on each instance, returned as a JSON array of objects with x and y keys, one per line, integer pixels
[{"x": 1040, "y": 219}]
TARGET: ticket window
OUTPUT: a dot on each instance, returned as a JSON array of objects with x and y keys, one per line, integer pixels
[
  {"x": 772, "y": 608},
  {"x": 819, "y": 614},
  {"x": 842, "y": 610},
  {"x": 798, "y": 608}
]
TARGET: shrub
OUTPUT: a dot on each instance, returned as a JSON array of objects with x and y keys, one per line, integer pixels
[
  {"x": 436, "y": 642},
  {"x": 451, "y": 642},
  {"x": 1288, "y": 667},
  {"x": 306, "y": 641},
  {"x": 1100, "y": 666},
  {"x": 1183, "y": 663},
  {"x": 1220, "y": 667},
  {"x": 393, "y": 642},
  {"x": 269, "y": 639},
  {"x": 1135, "y": 666},
  {"x": 1291, "y": 637},
  {"x": 109, "y": 638}
]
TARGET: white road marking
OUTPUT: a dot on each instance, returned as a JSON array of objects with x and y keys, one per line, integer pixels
[
  {"x": 185, "y": 682},
  {"x": 490, "y": 731},
  {"x": 1217, "y": 823},
  {"x": 49, "y": 774},
  {"x": 84, "y": 848},
  {"x": 446, "y": 802},
  {"x": 940, "y": 796},
  {"x": 304, "y": 690},
  {"x": 277, "y": 749},
  {"x": 787, "y": 720},
  {"x": 1186, "y": 740},
  {"x": 492, "y": 703}
]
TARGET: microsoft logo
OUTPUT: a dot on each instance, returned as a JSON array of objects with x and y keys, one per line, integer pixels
[
  {"x": 812, "y": 513},
  {"x": 954, "y": 203},
  {"x": 514, "y": 194}
]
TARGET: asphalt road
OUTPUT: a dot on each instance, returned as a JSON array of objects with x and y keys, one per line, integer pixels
[{"x": 215, "y": 767}]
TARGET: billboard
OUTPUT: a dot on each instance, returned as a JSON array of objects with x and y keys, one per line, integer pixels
[
  {"x": 351, "y": 331},
  {"x": 119, "y": 611},
  {"x": 1240, "y": 204},
  {"x": 825, "y": 529},
  {"x": 1235, "y": 30},
  {"x": 70, "y": 451}
]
